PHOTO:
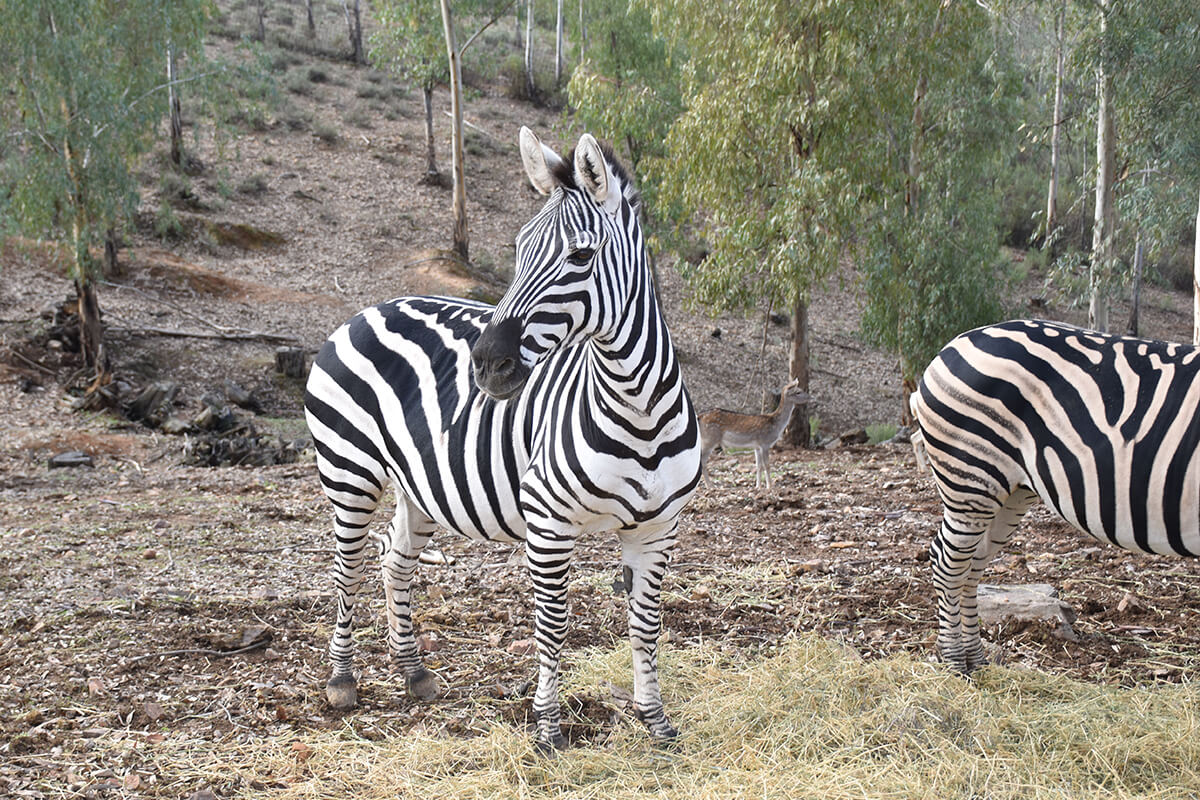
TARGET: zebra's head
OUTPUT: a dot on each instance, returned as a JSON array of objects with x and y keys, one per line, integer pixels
[{"x": 573, "y": 271}]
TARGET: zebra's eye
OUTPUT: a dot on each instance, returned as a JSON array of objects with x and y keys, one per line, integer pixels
[{"x": 581, "y": 256}]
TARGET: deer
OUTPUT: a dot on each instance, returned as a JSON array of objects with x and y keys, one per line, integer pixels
[{"x": 760, "y": 431}]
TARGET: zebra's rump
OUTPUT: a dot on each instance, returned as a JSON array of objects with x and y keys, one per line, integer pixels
[
  {"x": 390, "y": 397},
  {"x": 1106, "y": 429}
]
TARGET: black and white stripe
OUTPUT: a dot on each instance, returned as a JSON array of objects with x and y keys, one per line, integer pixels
[
  {"x": 1104, "y": 429},
  {"x": 583, "y": 425}
]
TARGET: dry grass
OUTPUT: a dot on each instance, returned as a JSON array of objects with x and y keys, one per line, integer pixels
[{"x": 808, "y": 721}]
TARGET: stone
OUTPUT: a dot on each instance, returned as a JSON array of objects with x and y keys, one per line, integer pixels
[{"x": 1033, "y": 602}]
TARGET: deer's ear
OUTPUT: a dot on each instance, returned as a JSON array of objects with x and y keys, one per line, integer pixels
[
  {"x": 593, "y": 173},
  {"x": 539, "y": 161}
]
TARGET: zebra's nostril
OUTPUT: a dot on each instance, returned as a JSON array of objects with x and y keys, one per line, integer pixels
[{"x": 505, "y": 366}]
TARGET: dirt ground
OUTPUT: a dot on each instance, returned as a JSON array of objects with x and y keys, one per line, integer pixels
[{"x": 146, "y": 599}]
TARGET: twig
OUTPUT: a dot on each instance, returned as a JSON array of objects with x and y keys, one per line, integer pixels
[
  {"x": 32, "y": 363},
  {"x": 220, "y": 328},
  {"x": 200, "y": 652}
]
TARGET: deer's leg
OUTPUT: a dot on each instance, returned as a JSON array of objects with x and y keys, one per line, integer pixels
[
  {"x": 760, "y": 467},
  {"x": 645, "y": 554},
  {"x": 408, "y": 534}
]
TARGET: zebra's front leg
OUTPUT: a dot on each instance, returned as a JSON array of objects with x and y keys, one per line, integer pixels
[
  {"x": 645, "y": 555},
  {"x": 549, "y": 555},
  {"x": 408, "y": 533},
  {"x": 351, "y": 534}
]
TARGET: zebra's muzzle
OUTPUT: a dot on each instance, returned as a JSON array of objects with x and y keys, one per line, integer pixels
[{"x": 496, "y": 360}]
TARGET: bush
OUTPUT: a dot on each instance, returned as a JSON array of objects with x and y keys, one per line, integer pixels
[{"x": 326, "y": 132}]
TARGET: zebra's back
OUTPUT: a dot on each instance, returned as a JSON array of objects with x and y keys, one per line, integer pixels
[
  {"x": 390, "y": 398},
  {"x": 1105, "y": 429}
]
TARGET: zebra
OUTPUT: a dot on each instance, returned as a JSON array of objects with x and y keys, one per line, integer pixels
[
  {"x": 559, "y": 412},
  {"x": 1104, "y": 429}
]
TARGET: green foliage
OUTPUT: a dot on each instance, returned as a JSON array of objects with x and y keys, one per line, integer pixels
[
  {"x": 409, "y": 41},
  {"x": 82, "y": 102},
  {"x": 812, "y": 128}
]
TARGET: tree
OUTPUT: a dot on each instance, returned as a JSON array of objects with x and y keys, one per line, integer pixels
[
  {"x": 809, "y": 128},
  {"x": 86, "y": 101},
  {"x": 408, "y": 41},
  {"x": 354, "y": 27}
]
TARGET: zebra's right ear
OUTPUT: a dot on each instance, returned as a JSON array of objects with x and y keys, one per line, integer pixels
[{"x": 539, "y": 161}]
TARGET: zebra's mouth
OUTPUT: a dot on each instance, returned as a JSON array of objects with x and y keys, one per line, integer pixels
[{"x": 496, "y": 360}]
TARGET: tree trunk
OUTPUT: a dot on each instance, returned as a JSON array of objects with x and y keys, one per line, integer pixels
[
  {"x": 91, "y": 328},
  {"x": 1135, "y": 300},
  {"x": 175, "y": 116},
  {"x": 582, "y": 33},
  {"x": 529, "y": 84},
  {"x": 261, "y": 34},
  {"x": 1102, "y": 227},
  {"x": 112, "y": 264},
  {"x": 798, "y": 432},
  {"x": 461, "y": 243},
  {"x": 558, "y": 46},
  {"x": 1196, "y": 283},
  {"x": 354, "y": 25},
  {"x": 517, "y": 24},
  {"x": 431, "y": 169},
  {"x": 1056, "y": 132},
  {"x": 312, "y": 24}
]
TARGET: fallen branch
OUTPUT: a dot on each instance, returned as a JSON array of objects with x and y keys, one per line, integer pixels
[
  {"x": 262, "y": 336},
  {"x": 219, "y": 328},
  {"x": 201, "y": 652},
  {"x": 31, "y": 362}
]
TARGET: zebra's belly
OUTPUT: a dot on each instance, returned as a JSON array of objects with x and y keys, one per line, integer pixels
[{"x": 1123, "y": 495}]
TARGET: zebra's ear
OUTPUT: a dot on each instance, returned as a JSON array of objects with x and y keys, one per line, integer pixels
[
  {"x": 593, "y": 173},
  {"x": 539, "y": 161}
]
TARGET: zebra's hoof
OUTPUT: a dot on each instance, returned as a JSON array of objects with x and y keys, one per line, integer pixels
[
  {"x": 342, "y": 692},
  {"x": 424, "y": 685},
  {"x": 550, "y": 747},
  {"x": 656, "y": 722}
]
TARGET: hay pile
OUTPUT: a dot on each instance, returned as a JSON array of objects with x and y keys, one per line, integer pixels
[{"x": 810, "y": 720}]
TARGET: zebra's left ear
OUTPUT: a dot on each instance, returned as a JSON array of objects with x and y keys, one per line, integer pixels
[{"x": 593, "y": 173}]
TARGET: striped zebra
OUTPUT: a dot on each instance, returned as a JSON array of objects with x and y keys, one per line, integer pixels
[
  {"x": 576, "y": 421},
  {"x": 1104, "y": 429}
]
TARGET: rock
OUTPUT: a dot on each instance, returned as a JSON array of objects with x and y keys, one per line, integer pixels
[
  {"x": 242, "y": 397},
  {"x": 176, "y": 425},
  {"x": 150, "y": 405},
  {"x": 72, "y": 458},
  {"x": 522, "y": 647},
  {"x": 859, "y": 436},
  {"x": 1034, "y": 602}
]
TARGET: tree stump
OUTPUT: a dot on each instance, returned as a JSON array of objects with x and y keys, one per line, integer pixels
[{"x": 291, "y": 362}]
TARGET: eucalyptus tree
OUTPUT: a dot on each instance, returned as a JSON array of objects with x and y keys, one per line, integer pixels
[
  {"x": 82, "y": 101},
  {"x": 811, "y": 131},
  {"x": 407, "y": 41}
]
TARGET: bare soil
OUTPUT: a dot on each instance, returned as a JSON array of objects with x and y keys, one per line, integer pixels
[{"x": 146, "y": 599}]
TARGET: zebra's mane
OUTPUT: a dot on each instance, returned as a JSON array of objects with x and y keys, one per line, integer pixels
[{"x": 564, "y": 172}]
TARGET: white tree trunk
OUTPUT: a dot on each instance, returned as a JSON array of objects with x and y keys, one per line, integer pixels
[
  {"x": 529, "y": 87},
  {"x": 1056, "y": 128},
  {"x": 456, "y": 113},
  {"x": 558, "y": 46},
  {"x": 175, "y": 115},
  {"x": 1196, "y": 283},
  {"x": 1104, "y": 221}
]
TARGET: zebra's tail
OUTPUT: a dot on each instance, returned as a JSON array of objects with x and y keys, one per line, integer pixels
[{"x": 917, "y": 438}]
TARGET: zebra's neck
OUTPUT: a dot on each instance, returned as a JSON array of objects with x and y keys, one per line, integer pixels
[{"x": 636, "y": 364}]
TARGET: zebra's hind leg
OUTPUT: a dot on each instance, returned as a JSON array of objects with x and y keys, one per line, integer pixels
[
  {"x": 645, "y": 554},
  {"x": 350, "y": 528},
  {"x": 408, "y": 533},
  {"x": 966, "y": 544}
]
